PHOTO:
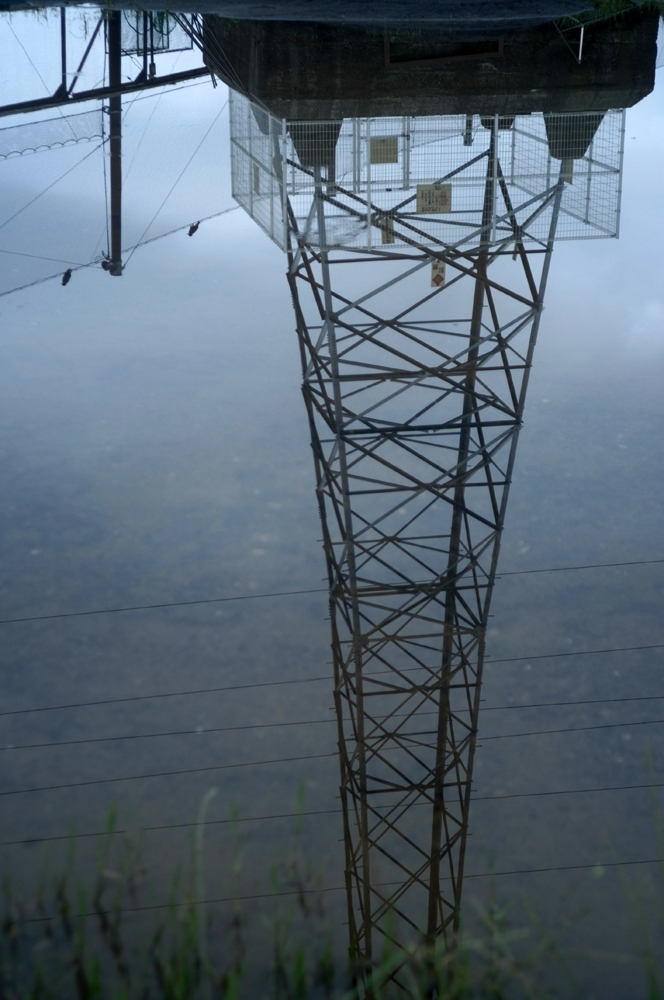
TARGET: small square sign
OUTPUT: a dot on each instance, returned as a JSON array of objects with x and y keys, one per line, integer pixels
[
  {"x": 384, "y": 149},
  {"x": 437, "y": 273},
  {"x": 432, "y": 199}
]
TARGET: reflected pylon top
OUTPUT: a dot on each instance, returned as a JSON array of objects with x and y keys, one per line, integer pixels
[{"x": 391, "y": 183}]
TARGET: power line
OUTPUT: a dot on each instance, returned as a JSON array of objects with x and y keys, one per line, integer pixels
[
  {"x": 305, "y": 814},
  {"x": 171, "y": 826},
  {"x": 260, "y": 763},
  {"x": 342, "y": 888},
  {"x": 276, "y": 593},
  {"x": 166, "y": 604},
  {"x": 567, "y": 704},
  {"x": 52, "y": 277},
  {"x": 564, "y": 569},
  {"x": 27, "y": 54},
  {"x": 575, "y": 729},
  {"x": 582, "y": 652},
  {"x": 177, "y": 732},
  {"x": 332, "y": 719},
  {"x": 48, "y": 188},
  {"x": 169, "y": 694},
  {"x": 304, "y": 680},
  {"x": 566, "y": 791},
  {"x": 163, "y": 774},
  {"x": 169, "y": 89},
  {"x": 178, "y": 179},
  {"x": 36, "y": 256},
  {"x": 179, "y": 229}
]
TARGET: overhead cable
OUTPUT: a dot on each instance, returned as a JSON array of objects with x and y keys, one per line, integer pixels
[
  {"x": 276, "y": 593},
  {"x": 53, "y": 277},
  {"x": 301, "y": 680},
  {"x": 279, "y": 760},
  {"x": 342, "y": 888},
  {"x": 332, "y": 720},
  {"x": 267, "y": 817},
  {"x": 178, "y": 179}
]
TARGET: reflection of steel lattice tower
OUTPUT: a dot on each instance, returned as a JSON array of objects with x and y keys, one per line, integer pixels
[{"x": 416, "y": 363}]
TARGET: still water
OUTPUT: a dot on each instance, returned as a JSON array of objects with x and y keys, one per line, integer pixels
[{"x": 156, "y": 451}]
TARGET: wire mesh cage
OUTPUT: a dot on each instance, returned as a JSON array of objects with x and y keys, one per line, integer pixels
[{"x": 425, "y": 180}]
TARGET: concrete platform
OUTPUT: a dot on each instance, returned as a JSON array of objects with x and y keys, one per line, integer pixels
[{"x": 308, "y": 72}]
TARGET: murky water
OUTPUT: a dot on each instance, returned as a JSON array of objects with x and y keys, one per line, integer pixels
[{"x": 156, "y": 450}]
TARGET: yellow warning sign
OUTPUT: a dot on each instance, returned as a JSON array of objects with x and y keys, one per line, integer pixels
[
  {"x": 437, "y": 273},
  {"x": 432, "y": 199}
]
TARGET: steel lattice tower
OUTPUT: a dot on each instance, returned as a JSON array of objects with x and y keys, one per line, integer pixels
[
  {"x": 414, "y": 426},
  {"x": 415, "y": 399}
]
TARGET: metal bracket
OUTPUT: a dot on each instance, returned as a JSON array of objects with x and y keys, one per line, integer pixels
[{"x": 578, "y": 56}]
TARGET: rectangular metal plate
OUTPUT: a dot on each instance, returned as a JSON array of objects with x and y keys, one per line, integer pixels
[
  {"x": 432, "y": 199},
  {"x": 385, "y": 149}
]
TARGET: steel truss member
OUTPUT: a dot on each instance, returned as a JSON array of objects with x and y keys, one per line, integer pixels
[{"x": 415, "y": 401}]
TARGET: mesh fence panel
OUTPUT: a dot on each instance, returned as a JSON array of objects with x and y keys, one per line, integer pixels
[
  {"x": 258, "y": 165},
  {"x": 390, "y": 181}
]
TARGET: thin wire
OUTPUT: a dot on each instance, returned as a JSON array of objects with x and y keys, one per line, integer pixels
[
  {"x": 278, "y": 593},
  {"x": 575, "y": 729},
  {"x": 170, "y": 89},
  {"x": 39, "y": 281},
  {"x": 278, "y": 760},
  {"x": 170, "y": 694},
  {"x": 147, "y": 125},
  {"x": 59, "y": 109},
  {"x": 563, "y": 569},
  {"x": 126, "y": 174},
  {"x": 268, "y": 817},
  {"x": 302, "y": 680},
  {"x": 169, "y": 604},
  {"x": 330, "y": 720},
  {"x": 35, "y": 256},
  {"x": 27, "y": 56},
  {"x": 565, "y": 704},
  {"x": 56, "y": 181},
  {"x": 163, "y": 774},
  {"x": 342, "y": 888},
  {"x": 178, "y": 229},
  {"x": 176, "y": 732},
  {"x": 179, "y": 178},
  {"x": 583, "y": 652},
  {"x": 81, "y": 267},
  {"x": 170, "y": 826}
]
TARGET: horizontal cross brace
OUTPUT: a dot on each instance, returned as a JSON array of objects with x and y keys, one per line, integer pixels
[{"x": 60, "y": 99}]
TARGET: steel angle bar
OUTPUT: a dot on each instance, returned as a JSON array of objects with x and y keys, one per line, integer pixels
[
  {"x": 101, "y": 93},
  {"x": 392, "y": 323},
  {"x": 545, "y": 197}
]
